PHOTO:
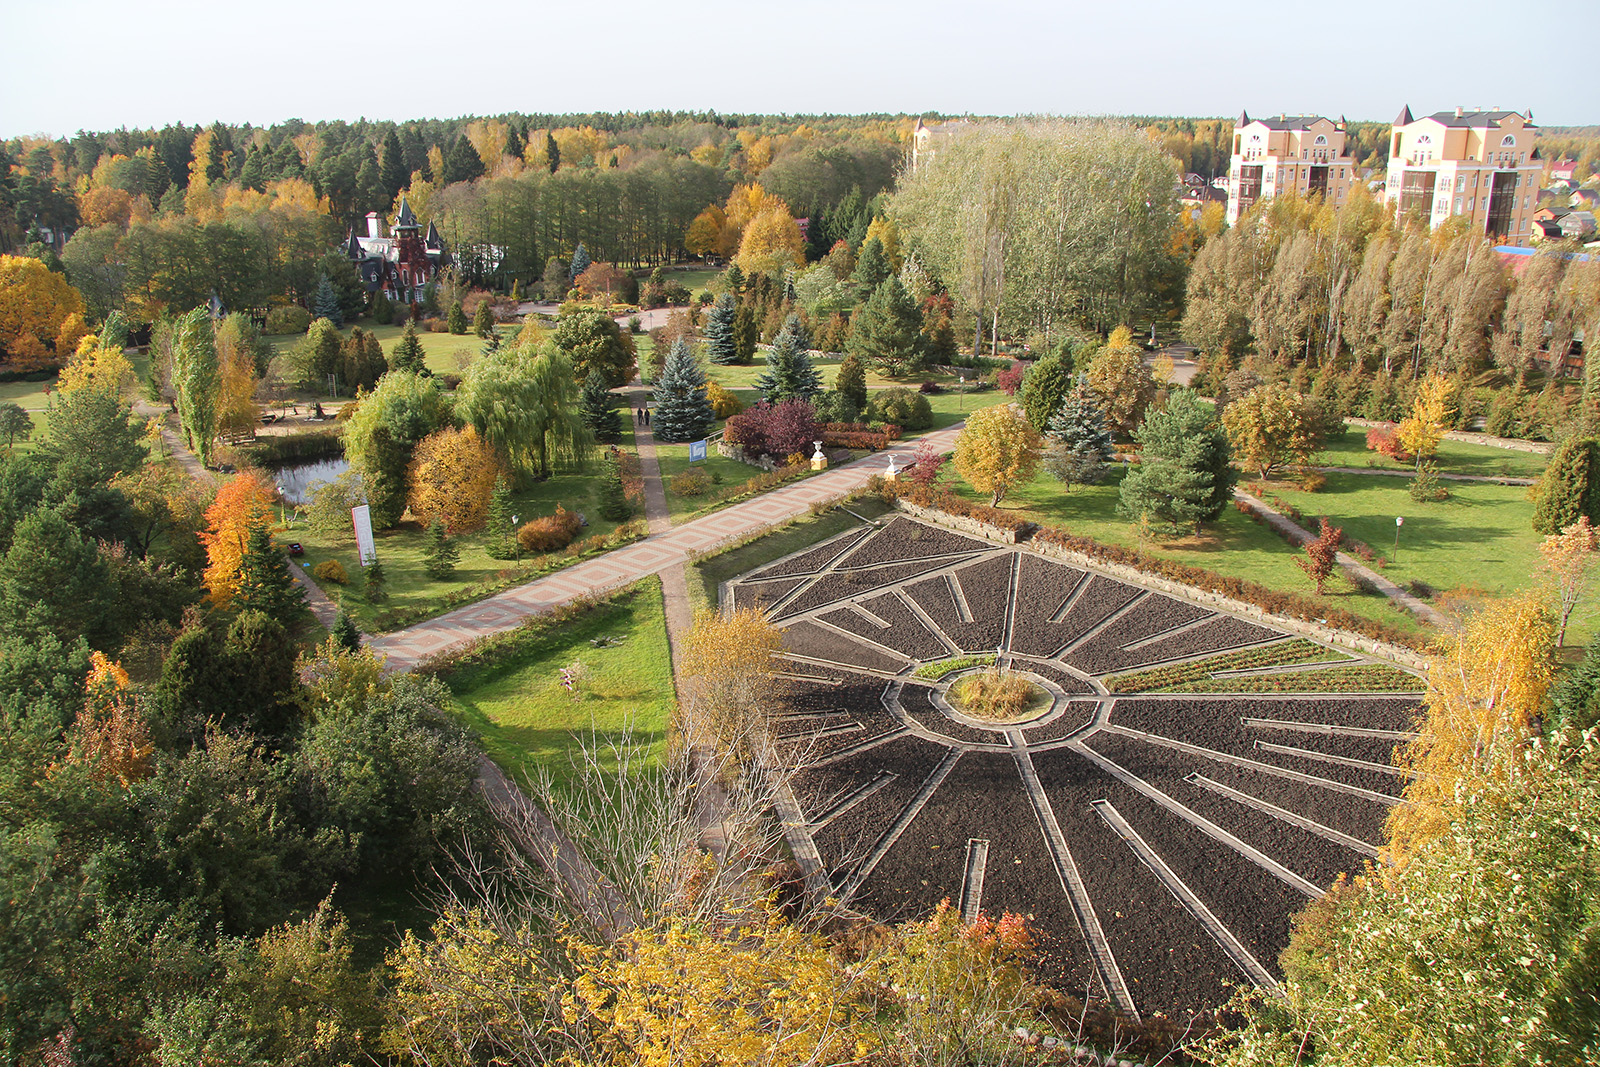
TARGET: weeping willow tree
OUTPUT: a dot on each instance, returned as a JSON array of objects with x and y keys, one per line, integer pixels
[
  {"x": 1040, "y": 223},
  {"x": 525, "y": 402}
]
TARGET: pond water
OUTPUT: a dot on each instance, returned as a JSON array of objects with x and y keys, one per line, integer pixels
[{"x": 298, "y": 483}]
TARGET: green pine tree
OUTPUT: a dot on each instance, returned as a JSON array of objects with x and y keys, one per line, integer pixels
[
  {"x": 264, "y": 582},
  {"x": 851, "y": 380},
  {"x": 325, "y": 302},
  {"x": 374, "y": 580},
  {"x": 441, "y": 553},
  {"x": 457, "y": 319},
  {"x": 580, "y": 262},
  {"x": 1569, "y": 488},
  {"x": 1045, "y": 387},
  {"x": 746, "y": 332},
  {"x": 483, "y": 319},
  {"x": 872, "y": 269},
  {"x": 345, "y": 633},
  {"x": 599, "y": 412},
  {"x": 613, "y": 496},
  {"x": 789, "y": 374},
  {"x": 552, "y": 152},
  {"x": 721, "y": 348},
  {"x": 462, "y": 163},
  {"x": 682, "y": 411},
  {"x": 887, "y": 331},
  {"x": 1080, "y": 445},
  {"x": 735, "y": 278},
  {"x": 408, "y": 354},
  {"x": 1185, "y": 475},
  {"x": 502, "y": 539}
]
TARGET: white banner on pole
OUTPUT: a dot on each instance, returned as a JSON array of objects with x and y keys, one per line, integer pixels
[{"x": 361, "y": 517}]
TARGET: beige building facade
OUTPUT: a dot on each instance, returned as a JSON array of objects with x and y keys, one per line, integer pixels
[
  {"x": 1480, "y": 165},
  {"x": 1290, "y": 153}
]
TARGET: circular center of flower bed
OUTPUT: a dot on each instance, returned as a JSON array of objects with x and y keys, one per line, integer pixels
[{"x": 997, "y": 696}]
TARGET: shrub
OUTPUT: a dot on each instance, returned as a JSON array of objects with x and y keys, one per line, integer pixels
[
  {"x": 1383, "y": 440},
  {"x": 692, "y": 482},
  {"x": 550, "y": 533},
  {"x": 287, "y": 320},
  {"x": 1427, "y": 487},
  {"x": 331, "y": 570},
  {"x": 1010, "y": 379},
  {"x": 724, "y": 403},
  {"x": 901, "y": 407},
  {"x": 930, "y": 388},
  {"x": 774, "y": 430}
]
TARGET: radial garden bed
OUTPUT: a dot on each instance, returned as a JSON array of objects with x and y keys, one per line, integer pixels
[{"x": 1175, "y": 786}]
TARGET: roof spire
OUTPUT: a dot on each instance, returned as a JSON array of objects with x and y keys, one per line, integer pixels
[
  {"x": 1243, "y": 120},
  {"x": 406, "y": 220},
  {"x": 1404, "y": 118}
]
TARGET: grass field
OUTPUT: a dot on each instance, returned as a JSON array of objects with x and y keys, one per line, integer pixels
[
  {"x": 527, "y": 719},
  {"x": 448, "y": 353},
  {"x": 1455, "y": 457},
  {"x": 1234, "y": 545},
  {"x": 402, "y": 551},
  {"x": 949, "y": 407}
]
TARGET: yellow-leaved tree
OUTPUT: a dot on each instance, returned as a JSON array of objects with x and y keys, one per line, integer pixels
[
  {"x": 730, "y": 678},
  {"x": 1122, "y": 380},
  {"x": 110, "y": 735},
  {"x": 242, "y": 504},
  {"x": 887, "y": 233},
  {"x": 1420, "y": 432},
  {"x": 1569, "y": 563},
  {"x": 1484, "y": 689},
  {"x": 771, "y": 243},
  {"x": 704, "y": 233},
  {"x": 999, "y": 448},
  {"x": 452, "y": 476},
  {"x": 35, "y": 304}
]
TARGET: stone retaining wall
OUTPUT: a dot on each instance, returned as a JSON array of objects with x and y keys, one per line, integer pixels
[
  {"x": 1404, "y": 657},
  {"x": 733, "y": 451}
]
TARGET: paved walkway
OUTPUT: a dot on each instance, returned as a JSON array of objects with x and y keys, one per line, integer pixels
[
  {"x": 505, "y": 611},
  {"x": 1352, "y": 566}
]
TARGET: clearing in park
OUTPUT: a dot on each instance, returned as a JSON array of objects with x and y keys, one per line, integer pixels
[{"x": 1161, "y": 788}]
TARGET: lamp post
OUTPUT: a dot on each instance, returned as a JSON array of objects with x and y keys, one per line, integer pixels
[
  {"x": 515, "y": 540},
  {"x": 1399, "y": 521},
  {"x": 961, "y": 394}
]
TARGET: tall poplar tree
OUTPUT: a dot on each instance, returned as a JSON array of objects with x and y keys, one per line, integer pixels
[{"x": 197, "y": 377}]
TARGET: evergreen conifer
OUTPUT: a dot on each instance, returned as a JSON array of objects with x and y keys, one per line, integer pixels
[
  {"x": 373, "y": 579},
  {"x": 456, "y": 322},
  {"x": 1569, "y": 488},
  {"x": 1080, "y": 445},
  {"x": 720, "y": 345},
  {"x": 789, "y": 374},
  {"x": 851, "y": 380},
  {"x": 599, "y": 412},
  {"x": 1046, "y": 387},
  {"x": 613, "y": 496},
  {"x": 682, "y": 411},
  {"x": 887, "y": 331},
  {"x": 346, "y": 634},
  {"x": 502, "y": 539},
  {"x": 325, "y": 302},
  {"x": 483, "y": 319},
  {"x": 1185, "y": 475},
  {"x": 872, "y": 269},
  {"x": 264, "y": 581},
  {"x": 408, "y": 354},
  {"x": 580, "y": 262},
  {"x": 746, "y": 332},
  {"x": 441, "y": 553}
]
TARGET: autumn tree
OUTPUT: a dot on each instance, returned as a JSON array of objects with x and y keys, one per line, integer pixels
[
  {"x": 1185, "y": 476},
  {"x": 1322, "y": 554},
  {"x": 452, "y": 474},
  {"x": 35, "y": 303},
  {"x": 1569, "y": 488},
  {"x": 1271, "y": 426},
  {"x": 595, "y": 344},
  {"x": 1119, "y": 376},
  {"x": 997, "y": 449},
  {"x": 386, "y": 428},
  {"x": 1432, "y": 415},
  {"x": 1484, "y": 689},
  {"x": 111, "y": 736},
  {"x": 732, "y": 678},
  {"x": 1568, "y": 562},
  {"x": 771, "y": 242},
  {"x": 243, "y": 503}
]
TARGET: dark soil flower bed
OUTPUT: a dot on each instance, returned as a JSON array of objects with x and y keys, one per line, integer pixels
[
  {"x": 765, "y": 595},
  {"x": 816, "y": 559},
  {"x": 845, "y": 740}
]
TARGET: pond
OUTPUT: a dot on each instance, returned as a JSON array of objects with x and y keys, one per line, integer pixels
[{"x": 300, "y": 482}]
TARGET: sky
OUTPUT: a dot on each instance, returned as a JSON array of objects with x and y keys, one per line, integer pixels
[{"x": 101, "y": 64}]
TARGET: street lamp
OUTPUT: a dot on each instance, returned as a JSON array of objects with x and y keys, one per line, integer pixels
[
  {"x": 961, "y": 394},
  {"x": 515, "y": 540},
  {"x": 1398, "y": 522}
]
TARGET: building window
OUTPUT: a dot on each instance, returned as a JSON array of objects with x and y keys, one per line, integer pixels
[
  {"x": 1458, "y": 205},
  {"x": 1470, "y": 202}
]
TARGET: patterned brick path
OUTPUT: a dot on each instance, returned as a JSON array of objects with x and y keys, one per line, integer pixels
[{"x": 603, "y": 574}]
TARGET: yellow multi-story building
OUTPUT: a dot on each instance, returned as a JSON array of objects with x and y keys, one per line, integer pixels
[
  {"x": 1478, "y": 164},
  {"x": 1291, "y": 153}
]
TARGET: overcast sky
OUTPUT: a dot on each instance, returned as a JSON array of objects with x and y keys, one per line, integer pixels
[{"x": 100, "y": 64}]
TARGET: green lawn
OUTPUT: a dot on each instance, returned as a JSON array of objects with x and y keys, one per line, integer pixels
[
  {"x": 402, "y": 552},
  {"x": 706, "y": 575},
  {"x": 1455, "y": 457},
  {"x": 1234, "y": 545},
  {"x": 517, "y": 703},
  {"x": 446, "y": 351},
  {"x": 949, "y": 407},
  {"x": 31, "y": 397},
  {"x": 674, "y": 459}
]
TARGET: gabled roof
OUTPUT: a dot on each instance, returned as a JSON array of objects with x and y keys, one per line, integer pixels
[
  {"x": 1404, "y": 118},
  {"x": 406, "y": 221},
  {"x": 1471, "y": 119},
  {"x": 1292, "y": 122}
]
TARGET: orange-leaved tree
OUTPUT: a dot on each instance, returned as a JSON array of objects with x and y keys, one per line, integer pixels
[
  {"x": 111, "y": 736},
  {"x": 242, "y": 504},
  {"x": 452, "y": 476},
  {"x": 1484, "y": 688}
]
